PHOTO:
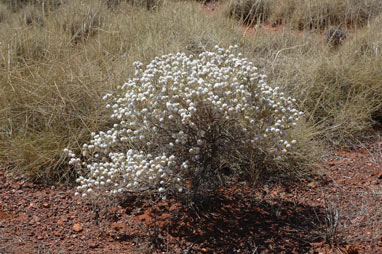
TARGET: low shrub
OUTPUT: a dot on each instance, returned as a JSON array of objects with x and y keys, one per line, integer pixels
[
  {"x": 184, "y": 123},
  {"x": 340, "y": 91}
]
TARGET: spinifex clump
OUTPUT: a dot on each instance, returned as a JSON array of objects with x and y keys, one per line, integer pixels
[{"x": 182, "y": 119}]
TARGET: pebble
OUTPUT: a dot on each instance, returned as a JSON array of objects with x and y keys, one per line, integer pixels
[
  {"x": 93, "y": 245},
  {"x": 32, "y": 205},
  {"x": 77, "y": 227}
]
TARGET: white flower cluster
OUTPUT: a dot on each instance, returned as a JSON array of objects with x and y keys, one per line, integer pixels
[{"x": 167, "y": 116}]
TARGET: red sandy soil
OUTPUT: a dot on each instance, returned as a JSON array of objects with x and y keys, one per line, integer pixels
[{"x": 338, "y": 212}]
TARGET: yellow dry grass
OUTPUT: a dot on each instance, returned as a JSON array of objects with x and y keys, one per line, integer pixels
[{"x": 59, "y": 58}]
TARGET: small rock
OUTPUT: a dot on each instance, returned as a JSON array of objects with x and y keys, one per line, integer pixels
[
  {"x": 28, "y": 185},
  {"x": 40, "y": 237},
  {"x": 32, "y": 205},
  {"x": 93, "y": 245},
  {"x": 312, "y": 185},
  {"x": 20, "y": 192},
  {"x": 46, "y": 205},
  {"x": 77, "y": 227},
  {"x": 60, "y": 222},
  {"x": 35, "y": 218}
]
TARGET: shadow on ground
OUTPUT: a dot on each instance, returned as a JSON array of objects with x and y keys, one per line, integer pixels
[{"x": 235, "y": 221}]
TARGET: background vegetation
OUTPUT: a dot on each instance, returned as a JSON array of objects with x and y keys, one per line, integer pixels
[{"x": 59, "y": 58}]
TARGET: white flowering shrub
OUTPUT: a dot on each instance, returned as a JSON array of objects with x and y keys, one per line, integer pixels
[{"x": 182, "y": 119}]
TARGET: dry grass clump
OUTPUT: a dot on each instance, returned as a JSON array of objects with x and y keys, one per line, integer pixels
[
  {"x": 27, "y": 45},
  {"x": 279, "y": 53},
  {"x": 326, "y": 13},
  {"x": 148, "y": 4},
  {"x": 341, "y": 90},
  {"x": 306, "y": 14},
  {"x": 367, "y": 42},
  {"x": 44, "y": 5},
  {"x": 81, "y": 20},
  {"x": 174, "y": 27},
  {"x": 46, "y": 105},
  {"x": 4, "y": 13},
  {"x": 30, "y": 14},
  {"x": 342, "y": 98},
  {"x": 250, "y": 11}
]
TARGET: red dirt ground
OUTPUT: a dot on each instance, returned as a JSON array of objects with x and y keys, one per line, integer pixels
[{"x": 338, "y": 212}]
